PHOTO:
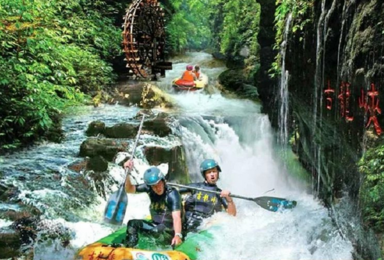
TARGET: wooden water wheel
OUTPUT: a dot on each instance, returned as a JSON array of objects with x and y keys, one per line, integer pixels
[{"x": 144, "y": 40}]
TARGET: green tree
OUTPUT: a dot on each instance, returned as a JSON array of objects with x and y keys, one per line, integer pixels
[{"x": 51, "y": 54}]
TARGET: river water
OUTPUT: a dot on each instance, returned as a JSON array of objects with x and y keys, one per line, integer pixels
[{"x": 209, "y": 125}]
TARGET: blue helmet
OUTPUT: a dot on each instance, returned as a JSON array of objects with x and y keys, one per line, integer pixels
[
  {"x": 152, "y": 176},
  {"x": 208, "y": 164}
]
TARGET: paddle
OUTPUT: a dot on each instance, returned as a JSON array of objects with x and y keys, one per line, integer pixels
[
  {"x": 268, "y": 203},
  {"x": 117, "y": 203}
]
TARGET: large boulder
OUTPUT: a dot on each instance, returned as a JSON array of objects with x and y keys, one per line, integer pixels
[
  {"x": 232, "y": 79},
  {"x": 97, "y": 164},
  {"x": 155, "y": 97},
  {"x": 10, "y": 243},
  {"x": 158, "y": 125},
  {"x": 122, "y": 130},
  {"x": 95, "y": 128},
  {"x": 101, "y": 147},
  {"x": 144, "y": 95}
]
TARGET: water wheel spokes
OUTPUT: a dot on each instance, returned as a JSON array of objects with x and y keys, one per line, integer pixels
[{"x": 144, "y": 39}]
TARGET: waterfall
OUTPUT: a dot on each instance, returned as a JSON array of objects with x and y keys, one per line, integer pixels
[
  {"x": 319, "y": 80},
  {"x": 339, "y": 51},
  {"x": 284, "y": 98},
  {"x": 243, "y": 145}
]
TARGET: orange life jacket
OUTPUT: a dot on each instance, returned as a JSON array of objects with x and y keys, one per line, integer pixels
[
  {"x": 197, "y": 74},
  {"x": 188, "y": 76}
]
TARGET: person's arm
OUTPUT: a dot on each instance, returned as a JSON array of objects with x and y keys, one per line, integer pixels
[
  {"x": 129, "y": 188},
  {"x": 231, "y": 209},
  {"x": 177, "y": 238},
  {"x": 174, "y": 204}
]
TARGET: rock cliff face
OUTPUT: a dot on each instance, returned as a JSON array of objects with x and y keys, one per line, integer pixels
[{"x": 334, "y": 70}]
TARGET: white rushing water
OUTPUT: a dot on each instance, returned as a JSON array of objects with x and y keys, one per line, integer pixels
[{"x": 230, "y": 130}]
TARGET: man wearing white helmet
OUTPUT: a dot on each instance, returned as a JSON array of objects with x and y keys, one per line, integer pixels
[{"x": 165, "y": 208}]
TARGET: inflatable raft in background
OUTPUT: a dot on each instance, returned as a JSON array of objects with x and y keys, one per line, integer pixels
[
  {"x": 184, "y": 85},
  {"x": 111, "y": 247}
]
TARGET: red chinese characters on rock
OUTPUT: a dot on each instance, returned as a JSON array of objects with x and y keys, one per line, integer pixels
[
  {"x": 370, "y": 103},
  {"x": 328, "y": 98},
  {"x": 344, "y": 96}
]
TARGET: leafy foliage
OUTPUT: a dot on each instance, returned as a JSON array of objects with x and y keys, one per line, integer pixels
[
  {"x": 371, "y": 166},
  {"x": 51, "y": 54},
  {"x": 189, "y": 25},
  {"x": 240, "y": 26},
  {"x": 300, "y": 12}
]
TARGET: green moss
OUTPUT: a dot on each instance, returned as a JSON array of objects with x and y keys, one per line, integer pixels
[{"x": 371, "y": 196}]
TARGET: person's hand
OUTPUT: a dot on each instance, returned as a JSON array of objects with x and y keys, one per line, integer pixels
[
  {"x": 225, "y": 194},
  {"x": 128, "y": 164},
  {"x": 176, "y": 241}
]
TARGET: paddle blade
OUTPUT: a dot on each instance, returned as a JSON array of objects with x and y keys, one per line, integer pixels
[
  {"x": 117, "y": 204},
  {"x": 274, "y": 204}
]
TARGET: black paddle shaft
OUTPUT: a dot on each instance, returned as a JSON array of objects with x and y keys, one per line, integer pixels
[{"x": 266, "y": 202}]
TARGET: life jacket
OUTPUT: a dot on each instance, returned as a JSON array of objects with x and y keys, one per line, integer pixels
[
  {"x": 197, "y": 74},
  {"x": 203, "y": 204},
  {"x": 188, "y": 75},
  {"x": 161, "y": 211}
]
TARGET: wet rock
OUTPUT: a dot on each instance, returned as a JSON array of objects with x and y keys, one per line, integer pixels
[
  {"x": 79, "y": 166},
  {"x": 95, "y": 128},
  {"x": 219, "y": 56},
  {"x": 144, "y": 95},
  {"x": 23, "y": 211},
  {"x": 9, "y": 245},
  {"x": 129, "y": 94},
  {"x": 147, "y": 112},
  {"x": 174, "y": 157},
  {"x": 51, "y": 229},
  {"x": 25, "y": 226},
  {"x": 154, "y": 97},
  {"x": 232, "y": 79},
  {"x": 103, "y": 147},
  {"x": 122, "y": 130},
  {"x": 97, "y": 164},
  {"x": 245, "y": 51},
  {"x": 158, "y": 126},
  {"x": 7, "y": 191}
]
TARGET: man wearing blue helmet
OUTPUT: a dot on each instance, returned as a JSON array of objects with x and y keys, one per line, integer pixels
[
  {"x": 165, "y": 209},
  {"x": 199, "y": 204}
]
